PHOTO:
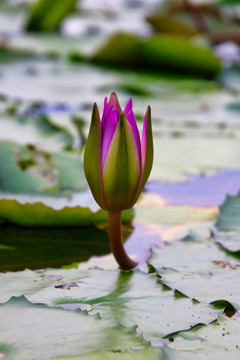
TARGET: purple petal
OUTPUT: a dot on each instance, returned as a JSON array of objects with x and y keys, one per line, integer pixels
[
  {"x": 128, "y": 107},
  {"x": 132, "y": 122},
  {"x": 105, "y": 111},
  {"x": 114, "y": 103},
  {"x": 107, "y": 131}
]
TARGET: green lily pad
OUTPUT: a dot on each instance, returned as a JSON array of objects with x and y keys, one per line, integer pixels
[
  {"x": 215, "y": 341},
  {"x": 12, "y": 177},
  {"x": 151, "y": 208},
  {"x": 171, "y": 24},
  {"x": 162, "y": 52},
  {"x": 53, "y": 211},
  {"x": 120, "y": 50},
  {"x": 149, "y": 353},
  {"x": 77, "y": 333},
  {"x": 229, "y": 216},
  {"x": 30, "y": 169},
  {"x": 195, "y": 267},
  {"x": 130, "y": 298},
  {"x": 184, "y": 156},
  {"x": 52, "y": 44},
  {"x": 178, "y": 54},
  {"x": 228, "y": 223},
  {"x": 40, "y": 131},
  {"x": 28, "y": 282}
]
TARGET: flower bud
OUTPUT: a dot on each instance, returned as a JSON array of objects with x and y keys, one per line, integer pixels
[{"x": 116, "y": 163}]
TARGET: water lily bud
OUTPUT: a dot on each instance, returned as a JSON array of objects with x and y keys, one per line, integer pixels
[{"x": 116, "y": 163}]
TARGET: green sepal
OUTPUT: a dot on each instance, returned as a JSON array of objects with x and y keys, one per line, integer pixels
[
  {"x": 92, "y": 157},
  {"x": 147, "y": 156},
  {"x": 121, "y": 175}
]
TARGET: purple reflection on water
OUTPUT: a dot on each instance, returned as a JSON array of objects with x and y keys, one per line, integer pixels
[{"x": 200, "y": 190}]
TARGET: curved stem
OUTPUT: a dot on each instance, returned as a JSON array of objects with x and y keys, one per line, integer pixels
[{"x": 116, "y": 243}]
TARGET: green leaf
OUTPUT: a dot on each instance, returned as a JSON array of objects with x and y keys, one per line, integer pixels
[
  {"x": 77, "y": 333},
  {"x": 12, "y": 177},
  {"x": 132, "y": 298},
  {"x": 149, "y": 353},
  {"x": 195, "y": 267},
  {"x": 215, "y": 341},
  {"x": 30, "y": 169},
  {"x": 162, "y": 52},
  {"x": 151, "y": 208},
  {"x": 228, "y": 223},
  {"x": 120, "y": 50},
  {"x": 169, "y": 23},
  {"x": 47, "y": 15},
  {"x": 40, "y": 131},
  {"x": 121, "y": 173},
  {"x": 176, "y": 158},
  {"x": 52, "y": 211},
  {"x": 177, "y": 54}
]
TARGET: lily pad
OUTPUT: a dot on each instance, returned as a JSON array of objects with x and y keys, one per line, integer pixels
[
  {"x": 150, "y": 353},
  {"x": 28, "y": 282},
  {"x": 229, "y": 216},
  {"x": 40, "y": 131},
  {"x": 195, "y": 267},
  {"x": 132, "y": 299},
  {"x": 53, "y": 211},
  {"x": 12, "y": 177},
  {"x": 77, "y": 333},
  {"x": 152, "y": 208},
  {"x": 159, "y": 53},
  {"x": 30, "y": 169},
  {"x": 228, "y": 223},
  {"x": 196, "y": 157},
  {"x": 178, "y": 54},
  {"x": 215, "y": 341}
]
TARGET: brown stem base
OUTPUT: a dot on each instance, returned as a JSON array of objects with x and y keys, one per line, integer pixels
[{"x": 116, "y": 243}]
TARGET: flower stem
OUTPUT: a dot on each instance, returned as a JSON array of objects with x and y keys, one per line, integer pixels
[{"x": 116, "y": 243}]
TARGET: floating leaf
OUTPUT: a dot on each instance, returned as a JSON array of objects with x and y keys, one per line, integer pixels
[
  {"x": 162, "y": 52},
  {"x": 77, "y": 333},
  {"x": 229, "y": 216},
  {"x": 30, "y": 169},
  {"x": 195, "y": 267},
  {"x": 120, "y": 50},
  {"x": 39, "y": 131},
  {"x": 52, "y": 211},
  {"x": 132, "y": 299},
  {"x": 228, "y": 223},
  {"x": 12, "y": 177},
  {"x": 215, "y": 341},
  {"x": 149, "y": 353},
  {"x": 153, "y": 208},
  {"x": 184, "y": 156},
  {"x": 170, "y": 24}
]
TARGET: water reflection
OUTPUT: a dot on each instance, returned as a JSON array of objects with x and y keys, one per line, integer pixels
[{"x": 22, "y": 248}]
